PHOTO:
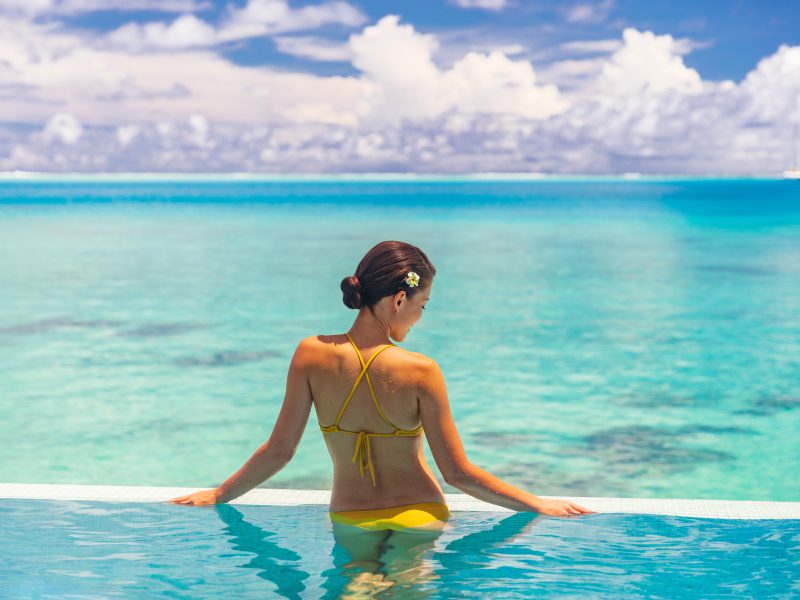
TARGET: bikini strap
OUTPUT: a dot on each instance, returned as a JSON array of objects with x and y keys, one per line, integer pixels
[
  {"x": 363, "y": 373},
  {"x": 369, "y": 383}
]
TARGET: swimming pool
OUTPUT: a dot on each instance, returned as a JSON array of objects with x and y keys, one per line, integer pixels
[{"x": 143, "y": 547}]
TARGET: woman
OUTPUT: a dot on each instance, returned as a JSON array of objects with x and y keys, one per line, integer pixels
[{"x": 373, "y": 401}]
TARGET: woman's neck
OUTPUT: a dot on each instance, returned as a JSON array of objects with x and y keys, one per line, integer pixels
[{"x": 369, "y": 330}]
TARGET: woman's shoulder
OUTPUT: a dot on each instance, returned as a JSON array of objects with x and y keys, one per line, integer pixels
[
  {"x": 329, "y": 344},
  {"x": 322, "y": 342},
  {"x": 417, "y": 358}
]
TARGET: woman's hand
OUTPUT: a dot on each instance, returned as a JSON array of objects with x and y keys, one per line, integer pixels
[
  {"x": 198, "y": 498},
  {"x": 561, "y": 508}
]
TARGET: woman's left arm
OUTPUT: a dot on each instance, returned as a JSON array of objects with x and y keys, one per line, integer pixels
[{"x": 279, "y": 449}]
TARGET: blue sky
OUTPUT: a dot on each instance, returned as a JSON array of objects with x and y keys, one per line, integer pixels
[
  {"x": 737, "y": 33},
  {"x": 595, "y": 86}
]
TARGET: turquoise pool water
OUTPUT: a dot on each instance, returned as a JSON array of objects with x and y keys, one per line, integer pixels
[
  {"x": 55, "y": 549},
  {"x": 599, "y": 337}
]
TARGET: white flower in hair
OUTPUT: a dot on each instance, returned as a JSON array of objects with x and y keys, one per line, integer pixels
[{"x": 412, "y": 279}]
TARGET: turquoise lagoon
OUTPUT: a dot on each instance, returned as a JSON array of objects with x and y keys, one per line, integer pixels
[{"x": 599, "y": 336}]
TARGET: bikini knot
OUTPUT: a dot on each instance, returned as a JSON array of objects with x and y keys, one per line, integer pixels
[{"x": 363, "y": 454}]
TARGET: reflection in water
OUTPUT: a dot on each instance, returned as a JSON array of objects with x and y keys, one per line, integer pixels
[
  {"x": 373, "y": 563},
  {"x": 474, "y": 549},
  {"x": 274, "y": 563},
  {"x": 387, "y": 563},
  {"x": 369, "y": 563},
  {"x": 605, "y": 554}
]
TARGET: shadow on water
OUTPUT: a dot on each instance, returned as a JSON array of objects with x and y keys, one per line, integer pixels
[
  {"x": 628, "y": 453},
  {"x": 734, "y": 269},
  {"x": 58, "y": 323},
  {"x": 273, "y": 562},
  {"x": 652, "y": 448},
  {"x": 225, "y": 358},
  {"x": 45, "y": 325},
  {"x": 161, "y": 329},
  {"x": 623, "y": 455},
  {"x": 769, "y": 405}
]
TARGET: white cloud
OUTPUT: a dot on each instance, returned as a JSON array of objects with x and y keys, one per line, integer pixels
[
  {"x": 774, "y": 88},
  {"x": 572, "y": 74},
  {"x": 647, "y": 63},
  {"x": 589, "y": 13},
  {"x": 686, "y": 45},
  {"x": 187, "y": 31},
  {"x": 495, "y": 84},
  {"x": 165, "y": 129},
  {"x": 127, "y": 133},
  {"x": 508, "y": 49},
  {"x": 23, "y": 158},
  {"x": 78, "y": 6},
  {"x": 71, "y": 103},
  {"x": 68, "y": 7},
  {"x": 63, "y": 127},
  {"x": 199, "y": 131},
  {"x": 592, "y": 46},
  {"x": 313, "y": 48},
  {"x": 261, "y": 17},
  {"x": 100, "y": 86},
  {"x": 26, "y": 7},
  {"x": 256, "y": 18},
  {"x": 484, "y": 4},
  {"x": 403, "y": 80},
  {"x": 320, "y": 112},
  {"x": 639, "y": 62},
  {"x": 406, "y": 84}
]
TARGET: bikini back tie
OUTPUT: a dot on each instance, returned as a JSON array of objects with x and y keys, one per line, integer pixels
[{"x": 362, "y": 452}]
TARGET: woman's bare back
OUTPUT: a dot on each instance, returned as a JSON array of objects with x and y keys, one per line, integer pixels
[
  {"x": 402, "y": 475},
  {"x": 390, "y": 290}
]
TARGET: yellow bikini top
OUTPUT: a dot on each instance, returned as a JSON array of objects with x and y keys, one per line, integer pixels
[{"x": 362, "y": 452}]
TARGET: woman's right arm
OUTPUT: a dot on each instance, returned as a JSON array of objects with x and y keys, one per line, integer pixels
[{"x": 448, "y": 452}]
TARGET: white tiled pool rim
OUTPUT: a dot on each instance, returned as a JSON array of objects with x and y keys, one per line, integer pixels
[{"x": 711, "y": 509}]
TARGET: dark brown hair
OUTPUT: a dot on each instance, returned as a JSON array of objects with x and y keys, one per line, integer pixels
[{"x": 383, "y": 271}]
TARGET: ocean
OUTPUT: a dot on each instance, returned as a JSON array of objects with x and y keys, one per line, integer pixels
[{"x": 599, "y": 336}]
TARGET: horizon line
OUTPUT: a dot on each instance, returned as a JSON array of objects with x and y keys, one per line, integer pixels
[{"x": 377, "y": 175}]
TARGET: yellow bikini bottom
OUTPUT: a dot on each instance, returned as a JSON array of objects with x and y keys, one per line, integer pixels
[{"x": 394, "y": 517}]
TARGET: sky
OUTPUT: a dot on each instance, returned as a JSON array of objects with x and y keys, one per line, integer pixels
[{"x": 419, "y": 86}]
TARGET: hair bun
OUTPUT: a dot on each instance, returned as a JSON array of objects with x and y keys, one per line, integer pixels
[{"x": 351, "y": 292}]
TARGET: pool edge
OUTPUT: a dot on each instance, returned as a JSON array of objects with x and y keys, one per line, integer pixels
[{"x": 713, "y": 509}]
